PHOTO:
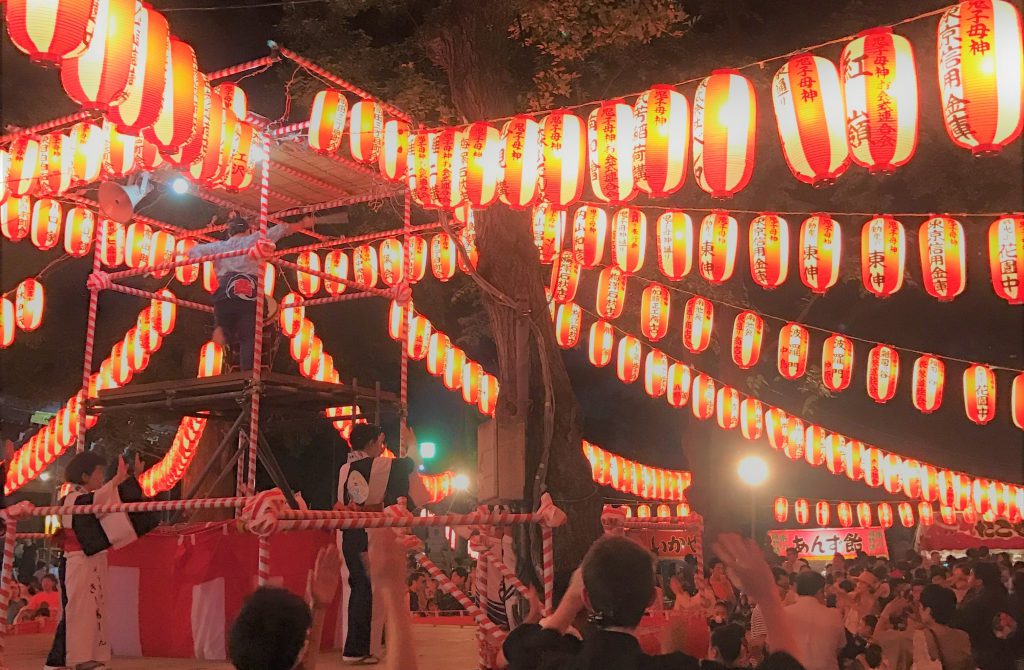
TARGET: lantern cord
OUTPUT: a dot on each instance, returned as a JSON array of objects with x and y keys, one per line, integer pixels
[
  {"x": 42, "y": 273},
  {"x": 870, "y": 215},
  {"x": 261, "y": 5}
]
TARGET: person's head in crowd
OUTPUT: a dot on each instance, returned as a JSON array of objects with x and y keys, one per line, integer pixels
[
  {"x": 983, "y": 553},
  {"x": 367, "y": 438},
  {"x": 618, "y": 582},
  {"x": 780, "y": 660},
  {"x": 430, "y": 586},
  {"x": 810, "y": 584},
  {"x": 459, "y": 576},
  {"x": 986, "y": 575},
  {"x": 417, "y": 581},
  {"x": 270, "y": 632},
  {"x": 720, "y": 612},
  {"x": 939, "y": 575},
  {"x": 920, "y": 574},
  {"x": 718, "y": 569},
  {"x": 866, "y": 583},
  {"x": 972, "y": 554},
  {"x": 881, "y": 571},
  {"x": 904, "y": 567},
  {"x": 938, "y": 605},
  {"x": 847, "y": 585},
  {"x": 866, "y": 627},
  {"x": 727, "y": 644},
  {"x": 936, "y": 557},
  {"x": 792, "y": 554},
  {"x": 916, "y": 587},
  {"x": 855, "y": 571},
  {"x": 86, "y": 469},
  {"x": 802, "y": 565},
  {"x": 782, "y": 582},
  {"x": 872, "y": 656},
  {"x": 679, "y": 585},
  {"x": 48, "y": 583}
]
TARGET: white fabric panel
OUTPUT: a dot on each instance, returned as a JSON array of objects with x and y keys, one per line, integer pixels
[
  {"x": 123, "y": 599},
  {"x": 209, "y": 637}
]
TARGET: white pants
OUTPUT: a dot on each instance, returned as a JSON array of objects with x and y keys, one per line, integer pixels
[{"x": 86, "y": 613}]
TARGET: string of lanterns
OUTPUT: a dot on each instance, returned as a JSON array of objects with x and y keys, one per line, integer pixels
[
  {"x": 823, "y": 512},
  {"x": 646, "y": 511},
  {"x": 627, "y": 476}
]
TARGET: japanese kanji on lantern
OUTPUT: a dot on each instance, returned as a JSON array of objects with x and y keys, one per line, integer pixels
[
  {"x": 943, "y": 257},
  {"x": 1006, "y": 257},
  {"x": 814, "y": 445},
  {"x": 29, "y": 304},
  {"x": 675, "y": 244},
  {"x": 883, "y": 373},
  {"x": 446, "y": 170},
  {"x": 627, "y": 367},
  {"x": 568, "y": 324},
  {"x": 443, "y": 256},
  {"x": 86, "y": 152},
  {"x": 809, "y": 113},
  {"x": 717, "y": 242},
  {"x": 47, "y": 217},
  {"x": 519, "y": 159},
  {"x": 120, "y": 152},
  {"x": 589, "y": 234},
  {"x": 548, "y": 231},
  {"x": 724, "y": 129},
  {"x": 981, "y": 74},
  {"x": 418, "y": 167},
  {"x": 629, "y": 240},
  {"x": 611, "y": 293},
  {"x": 727, "y": 408},
  {"x": 680, "y": 380},
  {"x": 747, "y": 332},
  {"x": 364, "y": 265},
  {"x": 437, "y": 351},
  {"x": 703, "y": 404},
  {"x": 145, "y": 90},
  {"x": 655, "y": 308},
  {"x": 655, "y": 373},
  {"x": 980, "y": 393},
  {"x": 16, "y": 218},
  {"x": 698, "y": 318},
  {"x": 661, "y": 131},
  {"x": 565, "y": 277},
  {"x": 174, "y": 125},
  {"x": 769, "y": 250},
  {"x": 793, "y": 344},
  {"x": 23, "y": 167},
  {"x": 602, "y": 341},
  {"x": 610, "y": 152},
  {"x": 55, "y": 164},
  {"x": 928, "y": 383},
  {"x": 781, "y": 509},
  {"x": 366, "y": 130},
  {"x": 837, "y": 362},
  {"x": 391, "y": 261},
  {"x": 883, "y": 246},
  {"x": 308, "y": 284},
  {"x": 327, "y": 120},
  {"x": 563, "y": 149},
  {"x": 79, "y": 225},
  {"x": 751, "y": 418}
]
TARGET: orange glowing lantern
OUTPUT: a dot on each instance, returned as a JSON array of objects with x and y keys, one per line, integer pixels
[
  {"x": 793, "y": 438},
  {"x": 751, "y": 418},
  {"x": 481, "y": 149},
  {"x": 602, "y": 340},
  {"x": 185, "y": 274},
  {"x": 161, "y": 251},
  {"x": 769, "y": 250},
  {"x": 87, "y": 142},
  {"x": 656, "y": 373},
  {"x": 883, "y": 251},
  {"x": 292, "y": 314},
  {"x": 802, "y": 511},
  {"x": 747, "y": 331},
  {"x": 242, "y": 164},
  {"x": 980, "y": 393},
  {"x": 302, "y": 340},
  {"x": 872, "y": 466},
  {"x": 471, "y": 374},
  {"x": 880, "y": 88},
  {"x": 885, "y": 515},
  {"x": 727, "y": 408},
  {"x": 50, "y": 31},
  {"x": 611, "y": 292},
  {"x": 364, "y": 265},
  {"x": 675, "y": 244},
  {"x": 943, "y": 257},
  {"x": 834, "y": 450},
  {"x": 417, "y": 258},
  {"x": 392, "y": 261},
  {"x": 487, "y": 399},
  {"x": 366, "y": 130},
  {"x": 394, "y": 149},
  {"x": 99, "y": 77},
  {"x": 467, "y": 261},
  {"x": 120, "y": 152},
  {"x": 717, "y": 247},
  {"x": 568, "y": 322},
  {"x": 679, "y": 384},
  {"x": 982, "y": 495},
  {"x": 29, "y": 303},
  {"x": 23, "y": 166},
  {"x": 163, "y": 314},
  {"x": 698, "y": 318},
  {"x": 837, "y": 362},
  {"x": 78, "y": 231},
  {"x": 981, "y": 74},
  {"x": 925, "y": 513},
  {"x": 821, "y": 244},
  {"x": 822, "y": 512},
  {"x": 655, "y": 307},
  {"x": 55, "y": 164},
  {"x": 661, "y": 130},
  {"x": 437, "y": 351},
  {"x": 929, "y": 381},
  {"x": 454, "y": 363},
  {"x": 336, "y": 265},
  {"x": 629, "y": 240},
  {"x": 776, "y": 423},
  {"x": 145, "y": 90},
  {"x": 864, "y": 514},
  {"x": 308, "y": 284},
  {"x": 209, "y": 107},
  {"x": 703, "y": 397},
  {"x": 16, "y": 218},
  {"x": 792, "y": 358},
  {"x": 910, "y": 476},
  {"x": 548, "y": 231},
  {"x": 781, "y": 509},
  {"x": 137, "y": 240},
  {"x": 563, "y": 147},
  {"x": 443, "y": 256},
  {"x": 1006, "y": 258},
  {"x": 565, "y": 277},
  {"x": 519, "y": 161},
  {"x": 327, "y": 120},
  {"x": 417, "y": 337},
  {"x": 110, "y": 243},
  {"x": 446, "y": 170},
  {"x": 149, "y": 157},
  {"x": 883, "y": 373},
  {"x": 46, "y": 221},
  {"x": 589, "y": 230},
  {"x": 724, "y": 129},
  {"x": 1017, "y": 401},
  {"x": 627, "y": 367},
  {"x": 120, "y": 371},
  {"x": 175, "y": 124},
  {"x": 610, "y": 140},
  {"x": 8, "y": 326},
  {"x": 855, "y": 456},
  {"x": 814, "y": 445},
  {"x": 906, "y": 512},
  {"x": 211, "y": 360},
  {"x": 5, "y": 166},
  {"x": 892, "y": 473}
]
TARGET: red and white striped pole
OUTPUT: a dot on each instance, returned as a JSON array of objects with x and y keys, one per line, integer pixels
[
  {"x": 6, "y": 580},
  {"x": 403, "y": 374},
  {"x": 263, "y": 567},
  {"x": 548, "y": 568},
  {"x": 90, "y": 344},
  {"x": 257, "y": 349},
  {"x": 448, "y": 587}
]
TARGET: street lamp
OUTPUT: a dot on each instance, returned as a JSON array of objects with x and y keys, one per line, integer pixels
[
  {"x": 753, "y": 471},
  {"x": 460, "y": 482}
]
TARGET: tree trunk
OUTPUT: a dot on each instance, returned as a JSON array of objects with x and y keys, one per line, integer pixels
[{"x": 213, "y": 434}]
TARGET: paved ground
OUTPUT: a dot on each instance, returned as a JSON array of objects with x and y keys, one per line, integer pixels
[{"x": 438, "y": 647}]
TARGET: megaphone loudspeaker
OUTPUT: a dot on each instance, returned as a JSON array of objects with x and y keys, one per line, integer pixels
[{"x": 118, "y": 202}]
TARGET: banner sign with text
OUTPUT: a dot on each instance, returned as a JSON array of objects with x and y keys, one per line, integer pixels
[
  {"x": 1000, "y": 535},
  {"x": 826, "y": 542},
  {"x": 666, "y": 543}
]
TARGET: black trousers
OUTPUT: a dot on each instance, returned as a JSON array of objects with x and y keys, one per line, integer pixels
[
  {"x": 237, "y": 318},
  {"x": 354, "y": 546},
  {"x": 58, "y": 650}
]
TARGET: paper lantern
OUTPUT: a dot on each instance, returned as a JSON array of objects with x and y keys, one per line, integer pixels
[
  {"x": 161, "y": 252},
  {"x": 629, "y": 240},
  {"x": 416, "y": 258},
  {"x": 747, "y": 331},
  {"x": 891, "y": 470},
  {"x": 120, "y": 152},
  {"x": 175, "y": 124},
  {"x": 302, "y": 340},
  {"x": 480, "y": 158},
  {"x": 29, "y": 303},
  {"x": 99, "y": 77},
  {"x": 928, "y": 383},
  {"x": 563, "y": 155},
  {"x": 981, "y": 61},
  {"x": 680, "y": 383},
  {"x": 880, "y": 88},
  {"x": 211, "y": 360},
  {"x": 162, "y": 313},
  {"x": 980, "y": 394},
  {"x": 23, "y": 166},
  {"x": 698, "y": 318},
  {"x": 703, "y": 397},
  {"x": 308, "y": 284},
  {"x": 149, "y": 157},
  {"x": 727, "y": 408},
  {"x": 79, "y": 225},
  {"x": 364, "y": 265},
  {"x": 834, "y": 451},
  {"x": 822, "y": 512},
  {"x": 47, "y": 217},
  {"x": 724, "y": 129},
  {"x": 982, "y": 495},
  {"x": 844, "y": 512},
  {"x": 16, "y": 218},
  {"x": 602, "y": 340},
  {"x": 656, "y": 373},
  {"x": 610, "y": 155},
  {"x": 820, "y": 249},
  {"x": 675, "y": 244},
  {"x": 55, "y": 164},
  {"x": 8, "y": 326},
  {"x": 1006, "y": 258},
  {"x": 792, "y": 358},
  {"x": 446, "y": 169},
  {"x": 769, "y": 250},
  {"x": 872, "y": 465},
  {"x": 837, "y": 362},
  {"x": 471, "y": 374},
  {"x": 487, "y": 400},
  {"x": 906, "y": 512},
  {"x": 138, "y": 237},
  {"x": 589, "y": 230},
  {"x": 814, "y": 445},
  {"x": 943, "y": 257},
  {"x": 717, "y": 247},
  {"x": 565, "y": 276},
  {"x": 519, "y": 160},
  {"x": 292, "y": 313},
  {"x": 781, "y": 509},
  {"x": 864, "y": 514},
  {"x": 391, "y": 261},
  {"x": 883, "y": 373},
  {"x": 110, "y": 242},
  {"x": 655, "y": 307},
  {"x": 209, "y": 106},
  {"x": 144, "y": 93},
  {"x": 925, "y": 514},
  {"x": 909, "y": 475},
  {"x": 467, "y": 261},
  {"x": 437, "y": 350},
  {"x": 336, "y": 265},
  {"x": 661, "y": 131},
  {"x": 454, "y": 364},
  {"x": 751, "y": 418},
  {"x": 793, "y": 438},
  {"x": 443, "y": 256},
  {"x": 327, "y": 120},
  {"x": 366, "y": 130},
  {"x": 627, "y": 367},
  {"x": 855, "y": 457},
  {"x": 548, "y": 231},
  {"x": 5, "y": 167},
  {"x": 119, "y": 369},
  {"x": 802, "y": 511},
  {"x": 50, "y": 31},
  {"x": 885, "y": 515},
  {"x": 417, "y": 338},
  {"x": 955, "y": 490},
  {"x": 148, "y": 337},
  {"x": 185, "y": 274},
  {"x": 87, "y": 140},
  {"x": 394, "y": 149},
  {"x": 883, "y": 252},
  {"x": 242, "y": 165},
  {"x": 568, "y": 322},
  {"x": 611, "y": 292},
  {"x": 397, "y": 316},
  {"x": 1017, "y": 401}
]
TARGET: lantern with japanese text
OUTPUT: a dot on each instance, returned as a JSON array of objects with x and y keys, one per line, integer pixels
[
  {"x": 602, "y": 340},
  {"x": 137, "y": 239},
  {"x": 207, "y": 127},
  {"x": 185, "y": 274},
  {"x": 885, "y": 515},
  {"x": 366, "y": 130},
  {"x": 565, "y": 276},
  {"x": 627, "y": 367},
  {"x": 5, "y": 166},
  {"x": 781, "y": 509},
  {"x": 821, "y": 244},
  {"x": 443, "y": 256},
  {"x": 16, "y": 218},
  {"x": 211, "y": 360},
  {"x": 629, "y": 240},
  {"x": 49, "y": 31},
  {"x": 563, "y": 155},
  {"x": 822, "y": 513},
  {"x": 891, "y": 469},
  {"x": 308, "y": 284},
  {"x": 589, "y": 231},
  {"x": 610, "y": 155},
  {"x": 119, "y": 368},
  {"x": 519, "y": 160},
  {"x": 910, "y": 476},
  {"x": 802, "y": 511},
  {"x": 548, "y": 231},
  {"x": 872, "y": 466},
  {"x": 814, "y": 445},
  {"x": 144, "y": 94},
  {"x": 981, "y": 74},
  {"x": 1017, "y": 401},
  {"x": 883, "y": 253},
  {"x": 454, "y": 363},
  {"x": 364, "y": 265},
  {"x": 698, "y": 317},
  {"x": 656, "y": 373},
  {"x": 481, "y": 149},
  {"x": 417, "y": 258},
  {"x": 661, "y": 131},
  {"x": 120, "y": 152},
  {"x": 925, "y": 514},
  {"x": 8, "y": 326},
  {"x": 327, "y": 120},
  {"x": 392, "y": 261},
  {"x": 336, "y": 265},
  {"x": 792, "y": 357},
  {"x": 834, "y": 450},
  {"x": 23, "y": 166},
  {"x": 394, "y": 149},
  {"x": 437, "y": 351},
  {"x": 703, "y": 397},
  {"x": 471, "y": 374},
  {"x": 675, "y": 244},
  {"x": 163, "y": 313},
  {"x": 611, "y": 293},
  {"x": 47, "y": 218},
  {"x": 854, "y": 458},
  {"x": 98, "y": 78},
  {"x": 29, "y": 303},
  {"x": 302, "y": 340},
  {"x": 87, "y": 152},
  {"x": 110, "y": 243},
  {"x": 1006, "y": 257},
  {"x": 883, "y": 373},
  {"x": 982, "y": 495},
  {"x": 955, "y": 490},
  {"x": 680, "y": 382},
  {"x": 79, "y": 225},
  {"x": 292, "y": 314},
  {"x": 174, "y": 125},
  {"x": 727, "y": 408},
  {"x": 751, "y": 418},
  {"x": 655, "y": 307},
  {"x": 769, "y": 250},
  {"x": 836, "y": 362},
  {"x": 724, "y": 129},
  {"x": 943, "y": 257},
  {"x": 880, "y": 88},
  {"x": 242, "y": 165},
  {"x": 793, "y": 438},
  {"x": 55, "y": 164},
  {"x": 568, "y": 323},
  {"x": 864, "y": 514},
  {"x": 417, "y": 337},
  {"x": 161, "y": 252},
  {"x": 980, "y": 394},
  {"x": 446, "y": 170},
  {"x": 747, "y": 331},
  {"x": 717, "y": 247},
  {"x": 929, "y": 381}
]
